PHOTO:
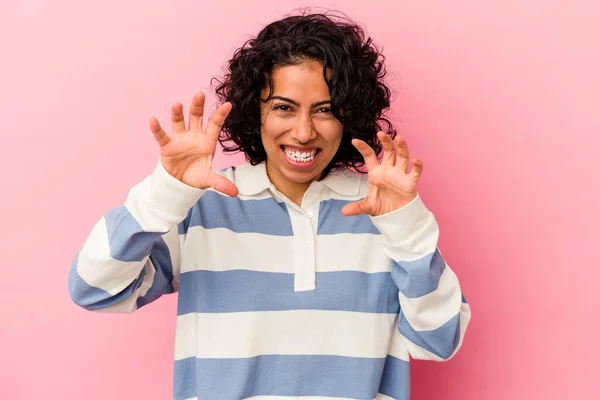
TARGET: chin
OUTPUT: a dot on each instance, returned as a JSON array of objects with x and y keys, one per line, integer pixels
[{"x": 302, "y": 176}]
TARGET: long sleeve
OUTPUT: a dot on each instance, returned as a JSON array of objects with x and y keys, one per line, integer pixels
[
  {"x": 434, "y": 313},
  {"x": 132, "y": 255}
]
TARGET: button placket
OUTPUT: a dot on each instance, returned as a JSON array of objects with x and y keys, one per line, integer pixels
[
  {"x": 304, "y": 251},
  {"x": 304, "y": 226}
]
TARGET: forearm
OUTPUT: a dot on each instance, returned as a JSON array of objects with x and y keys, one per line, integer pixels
[
  {"x": 134, "y": 249},
  {"x": 433, "y": 315}
]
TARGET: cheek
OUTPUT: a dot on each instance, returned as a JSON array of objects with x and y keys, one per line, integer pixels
[
  {"x": 274, "y": 128},
  {"x": 331, "y": 131},
  {"x": 270, "y": 133}
]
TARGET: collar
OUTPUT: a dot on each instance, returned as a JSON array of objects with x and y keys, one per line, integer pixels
[
  {"x": 253, "y": 179},
  {"x": 343, "y": 181}
]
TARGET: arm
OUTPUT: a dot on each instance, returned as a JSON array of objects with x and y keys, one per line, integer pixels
[
  {"x": 132, "y": 255},
  {"x": 433, "y": 314}
]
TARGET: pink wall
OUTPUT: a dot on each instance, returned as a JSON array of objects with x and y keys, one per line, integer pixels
[{"x": 501, "y": 99}]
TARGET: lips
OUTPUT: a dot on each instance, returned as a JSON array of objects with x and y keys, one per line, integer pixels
[{"x": 297, "y": 154}]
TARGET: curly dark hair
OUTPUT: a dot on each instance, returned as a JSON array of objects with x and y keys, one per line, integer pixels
[{"x": 355, "y": 81}]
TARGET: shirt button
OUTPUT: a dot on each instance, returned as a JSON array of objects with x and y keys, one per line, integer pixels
[{"x": 310, "y": 214}]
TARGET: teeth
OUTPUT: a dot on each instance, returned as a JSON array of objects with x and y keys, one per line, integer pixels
[{"x": 299, "y": 156}]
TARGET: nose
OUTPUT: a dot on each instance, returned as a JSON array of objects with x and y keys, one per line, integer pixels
[{"x": 303, "y": 132}]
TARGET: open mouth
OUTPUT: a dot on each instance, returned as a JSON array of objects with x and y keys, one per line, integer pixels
[{"x": 300, "y": 156}]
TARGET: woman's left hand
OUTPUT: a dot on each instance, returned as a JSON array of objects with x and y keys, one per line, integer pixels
[{"x": 391, "y": 186}]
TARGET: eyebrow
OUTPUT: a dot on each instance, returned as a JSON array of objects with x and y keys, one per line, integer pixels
[{"x": 318, "y": 103}]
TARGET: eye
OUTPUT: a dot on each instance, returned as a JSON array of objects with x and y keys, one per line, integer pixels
[
  {"x": 282, "y": 107},
  {"x": 323, "y": 113}
]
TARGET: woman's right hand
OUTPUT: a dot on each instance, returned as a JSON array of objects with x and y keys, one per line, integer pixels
[{"x": 188, "y": 154}]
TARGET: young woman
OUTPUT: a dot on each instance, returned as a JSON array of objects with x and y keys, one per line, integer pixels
[{"x": 297, "y": 275}]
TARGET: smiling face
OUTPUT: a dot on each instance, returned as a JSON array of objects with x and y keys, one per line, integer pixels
[{"x": 298, "y": 131}]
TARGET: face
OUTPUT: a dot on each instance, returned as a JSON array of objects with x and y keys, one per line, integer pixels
[{"x": 298, "y": 131}]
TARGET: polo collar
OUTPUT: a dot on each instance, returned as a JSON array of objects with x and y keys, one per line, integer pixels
[{"x": 253, "y": 179}]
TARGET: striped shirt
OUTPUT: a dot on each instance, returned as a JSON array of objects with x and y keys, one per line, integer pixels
[{"x": 276, "y": 300}]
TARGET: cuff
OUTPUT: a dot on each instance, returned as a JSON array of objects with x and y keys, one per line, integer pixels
[
  {"x": 162, "y": 199},
  {"x": 399, "y": 224}
]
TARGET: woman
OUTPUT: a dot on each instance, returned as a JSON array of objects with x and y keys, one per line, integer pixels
[{"x": 296, "y": 275}]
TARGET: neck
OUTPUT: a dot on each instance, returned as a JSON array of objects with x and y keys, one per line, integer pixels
[{"x": 292, "y": 190}]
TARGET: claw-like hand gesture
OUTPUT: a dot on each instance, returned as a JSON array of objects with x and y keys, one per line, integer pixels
[
  {"x": 188, "y": 154},
  {"x": 391, "y": 186}
]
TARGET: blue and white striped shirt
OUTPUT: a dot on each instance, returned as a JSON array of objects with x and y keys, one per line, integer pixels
[{"x": 278, "y": 301}]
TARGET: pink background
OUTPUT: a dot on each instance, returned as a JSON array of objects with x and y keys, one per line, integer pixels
[{"x": 500, "y": 99}]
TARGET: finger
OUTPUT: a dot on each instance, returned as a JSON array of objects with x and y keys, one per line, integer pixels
[
  {"x": 177, "y": 118},
  {"x": 389, "y": 148},
  {"x": 355, "y": 208},
  {"x": 197, "y": 112},
  {"x": 160, "y": 135},
  {"x": 216, "y": 121},
  {"x": 401, "y": 153},
  {"x": 417, "y": 169},
  {"x": 222, "y": 184},
  {"x": 367, "y": 152}
]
